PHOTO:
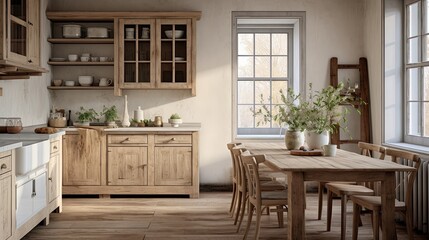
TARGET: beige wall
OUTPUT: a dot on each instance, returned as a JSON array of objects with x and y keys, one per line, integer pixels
[{"x": 333, "y": 27}]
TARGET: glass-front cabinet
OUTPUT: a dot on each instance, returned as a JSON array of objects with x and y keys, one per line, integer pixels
[
  {"x": 23, "y": 41},
  {"x": 137, "y": 53},
  {"x": 156, "y": 54},
  {"x": 174, "y": 53}
]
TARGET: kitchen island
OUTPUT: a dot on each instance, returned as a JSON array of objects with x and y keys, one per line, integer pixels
[{"x": 148, "y": 160}]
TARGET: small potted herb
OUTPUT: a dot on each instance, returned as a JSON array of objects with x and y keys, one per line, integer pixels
[
  {"x": 85, "y": 116},
  {"x": 175, "y": 120},
  {"x": 134, "y": 122},
  {"x": 110, "y": 115}
]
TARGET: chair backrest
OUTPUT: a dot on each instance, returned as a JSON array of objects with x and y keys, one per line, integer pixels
[
  {"x": 250, "y": 163},
  {"x": 241, "y": 177},
  {"x": 411, "y": 159},
  {"x": 230, "y": 146},
  {"x": 367, "y": 149}
]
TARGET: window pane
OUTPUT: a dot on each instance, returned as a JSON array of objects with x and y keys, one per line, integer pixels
[
  {"x": 426, "y": 16},
  {"x": 262, "y": 44},
  {"x": 413, "y": 84},
  {"x": 426, "y": 119},
  {"x": 245, "y": 44},
  {"x": 276, "y": 86},
  {"x": 262, "y": 88},
  {"x": 279, "y": 44},
  {"x": 279, "y": 67},
  {"x": 413, "y": 19},
  {"x": 425, "y": 48},
  {"x": 245, "y": 92},
  {"x": 245, "y": 116},
  {"x": 245, "y": 66},
  {"x": 413, "y": 50},
  {"x": 260, "y": 119},
  {"x": 275, "y": 111},
  {"x": 262, "y": 67},
  {"x": 414, "y": 118},
  {"x": 426, "y": 83}
]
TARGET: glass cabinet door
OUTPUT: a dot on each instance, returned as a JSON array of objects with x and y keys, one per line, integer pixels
[
  {"x": 18, "y": 29},
  {"x": 137, "y": 47},
  {"x": 174, "y": 53}
]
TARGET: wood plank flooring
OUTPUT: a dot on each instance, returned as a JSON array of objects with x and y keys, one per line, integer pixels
[{"x": 180, "y": 218}]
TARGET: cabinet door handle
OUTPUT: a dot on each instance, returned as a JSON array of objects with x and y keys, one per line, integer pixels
[
  {"x": 30, "y": 23},
  {"x": 172, "y": 139},
  {"x": 50, "y": 179},
  {"x": 55, "y": 147},
  {"x": 3, "y": 166},
  {"x": 125, "y": 140},
  {"x": 30, "y": 61}
]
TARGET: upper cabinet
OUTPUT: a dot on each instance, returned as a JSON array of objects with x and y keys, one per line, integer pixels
[
  {"x": 152, "y": 50},
  {"x": 20, "y": 31}
]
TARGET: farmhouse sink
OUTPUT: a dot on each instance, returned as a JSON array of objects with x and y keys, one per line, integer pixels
[{"x": 31, "y": 155}]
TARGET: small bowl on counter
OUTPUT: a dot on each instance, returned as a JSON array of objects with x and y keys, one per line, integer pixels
[
  {"x": 57, "y": 122},
  {"x": 86, "y": 81}
]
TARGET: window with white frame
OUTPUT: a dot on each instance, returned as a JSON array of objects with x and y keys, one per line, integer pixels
[
  {"x": 263, "y": 65},
  {"x": 416, "y": 72}
]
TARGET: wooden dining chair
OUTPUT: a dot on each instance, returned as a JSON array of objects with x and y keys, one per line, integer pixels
[
  {"x": 230, "y": 146},
  {"x": 345, "y": 190},
  {"x": 373, "y": 203},
  {"x": 258, "y": 198},
  {"x": 267, "y": 184}
]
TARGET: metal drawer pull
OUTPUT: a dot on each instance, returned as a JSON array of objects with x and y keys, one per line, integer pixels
[
  {"x": 3, "y": 166},
  {"x": 172, "y": 139},
  {"x": 125, "y": 140},
  {"x": 55, "y": 147},
  {"x": 50, "y": 179}
]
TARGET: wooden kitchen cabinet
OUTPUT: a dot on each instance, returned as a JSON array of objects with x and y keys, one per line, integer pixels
[
  {"x": 127, "y": 166},
  {"x": 81, "y": 163},
  {"x": 7, "y": 196},
  {"x": 20, "y": 51},
  {"x": 173, "y": 166}
]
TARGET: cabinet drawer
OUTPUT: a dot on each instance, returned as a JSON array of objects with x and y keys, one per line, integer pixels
[
  {"x": 127, "y": 139},
  {"x": 55, "y": 146},
  {"x": 5, "y": 164},
  {"x": 173, "y": 139}
]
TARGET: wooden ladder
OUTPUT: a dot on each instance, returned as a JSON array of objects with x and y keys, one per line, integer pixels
[{"x": 360, "y": 95}]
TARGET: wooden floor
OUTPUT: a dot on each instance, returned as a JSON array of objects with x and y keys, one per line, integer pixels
[{"x": 179, "y": 218}]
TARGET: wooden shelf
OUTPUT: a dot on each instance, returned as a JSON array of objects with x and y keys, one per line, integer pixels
[
  {"x": 81, "y": 40},
  {"x": 81, "y": 63},
  {"x": 80, "y": 88}
]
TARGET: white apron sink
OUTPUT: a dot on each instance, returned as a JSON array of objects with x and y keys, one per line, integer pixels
[{"x": 32, "y": 155}]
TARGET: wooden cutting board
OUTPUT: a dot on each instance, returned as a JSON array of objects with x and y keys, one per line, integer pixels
[{"x": 307, "y": 153}]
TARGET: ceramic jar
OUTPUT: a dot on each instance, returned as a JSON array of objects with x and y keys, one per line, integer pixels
[
  {"x": 315, "y": 140},
  {"x": 294, "y": 139}
]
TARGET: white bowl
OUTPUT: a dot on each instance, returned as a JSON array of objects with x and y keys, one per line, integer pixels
[
  {"x": 69, "y": 83},
  {"x": 177, "y": 33},
  {"x": 72, "y": 57},
  {"x": 86, "y": 80}
]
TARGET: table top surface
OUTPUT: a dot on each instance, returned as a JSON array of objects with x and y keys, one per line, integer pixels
[{"x": 279, "y": 158}]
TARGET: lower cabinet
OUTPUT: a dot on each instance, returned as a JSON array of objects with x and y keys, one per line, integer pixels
[
  {"x": 31, "y": 198},
  {"x": 54, "y": 177},
  {"x": 5, "y": 206},
  {"x": 133, "y": 163},
  {"x": 173, "y": 166},
  {"x": 127, "y": 166}
]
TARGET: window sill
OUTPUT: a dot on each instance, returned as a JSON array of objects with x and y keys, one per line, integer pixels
[{"x": 424, "y": 150}]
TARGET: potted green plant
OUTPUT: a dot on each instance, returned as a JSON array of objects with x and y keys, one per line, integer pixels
[
  {"x": 110, "y": 115},
  {"x": 85, "y": 116},
  {"x": 175, "y": 120},
  {"x": 289, "y": 113}
]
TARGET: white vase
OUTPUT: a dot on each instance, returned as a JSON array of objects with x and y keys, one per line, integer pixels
[
  {"x": 294, "y": 139},
  {"x": 126, "y": 119},
  {"x": 315, "y": 140}
]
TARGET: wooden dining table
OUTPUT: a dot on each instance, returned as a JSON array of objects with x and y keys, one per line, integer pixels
[{"x": 345, "y": 166}]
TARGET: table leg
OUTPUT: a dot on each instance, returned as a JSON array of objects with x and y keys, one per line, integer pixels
[
  {"x": 388, "y": 206},
  {"x": 296, "y": 214}
]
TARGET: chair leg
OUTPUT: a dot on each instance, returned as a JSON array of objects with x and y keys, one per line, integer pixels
[
  {"x": 233, "y": 199},
  {"x": 375, "y": 225},
  {"x": 329, "y": 211},
  {"x": 249, "y": 220},
  {"x": 243, "y": 210},
  {"x": 258, "y": 221},
  {"x": 343, "y": 216},
  {"x": 409, "y": 219},
  {"x": 268, "y": 211},
  {"x": 237, "y": 211},
  {"x": 356, "y": 217},
  {"x": 280, "y": 216},
  {"x": 319, "y": 210}
]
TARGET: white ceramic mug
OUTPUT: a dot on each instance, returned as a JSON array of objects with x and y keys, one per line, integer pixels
[
  {"x": 84, "y": 59},
  {"x": 104, "y": 82},
  {"x": 329, "y": 150},
  {"x": 104, "y": 59},
  {"x": 95, "y": 59}
]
